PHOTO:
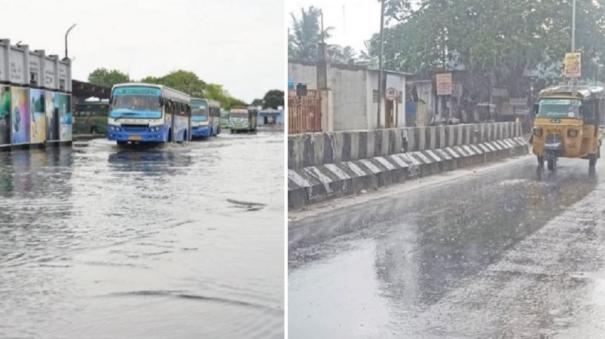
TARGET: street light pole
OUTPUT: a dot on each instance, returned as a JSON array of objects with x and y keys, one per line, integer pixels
[
  {"x": 573, "y": 27},
  {"x": 380, "y": 94},
  {"x": 66, "y": 34}
]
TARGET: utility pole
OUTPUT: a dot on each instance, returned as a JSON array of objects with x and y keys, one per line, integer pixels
[
  {"x": 66, "y": 34},
  {"x": 380, "y": 94},
  {"x": 573, "y": 28}
]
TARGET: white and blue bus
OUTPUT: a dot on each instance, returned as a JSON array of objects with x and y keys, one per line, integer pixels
[
  {"x": 205, "y": 118},
  {"x": 148, "y": 113}
]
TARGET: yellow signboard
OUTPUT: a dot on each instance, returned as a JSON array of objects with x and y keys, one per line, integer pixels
[
  {"x": 444, "y": 83},
  {"x": 573, "y": 65}
]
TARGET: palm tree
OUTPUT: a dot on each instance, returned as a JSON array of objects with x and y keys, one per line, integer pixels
[{"x": 306, "y": 35}]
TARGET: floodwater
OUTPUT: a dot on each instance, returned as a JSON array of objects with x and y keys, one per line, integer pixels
[
  {"x": 179, "y": 241},
  {"x": 504, "y": 252}
]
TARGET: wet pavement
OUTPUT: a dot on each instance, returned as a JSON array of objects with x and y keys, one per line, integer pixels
[
  {"x": 503, "y": 252},
  {"x": 180, "y": 241}
]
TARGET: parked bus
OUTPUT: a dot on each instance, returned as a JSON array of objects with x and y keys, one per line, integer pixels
[
  {"x": 91, "y": 117},
  {"x": 148, "y": 113},
  {"x": 242, "y": 120},
  {"x": 205, "y": 116}
]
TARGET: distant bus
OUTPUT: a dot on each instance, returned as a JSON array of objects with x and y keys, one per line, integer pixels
[
  {"x": 91, "y": 117},
  {"x": 242, "y": 120},
  {"x": 205, "y": 115},
  {"x": 224, "y": 121},
  {"x": 148, "y": 113}
]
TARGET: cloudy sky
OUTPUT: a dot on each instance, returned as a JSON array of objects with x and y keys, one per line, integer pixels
[
  {"x": 237, "y": 43},
  {"x": 354, "y": 21}
]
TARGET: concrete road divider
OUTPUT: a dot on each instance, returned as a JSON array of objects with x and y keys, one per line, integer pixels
[{"x": 322, "y": 166}]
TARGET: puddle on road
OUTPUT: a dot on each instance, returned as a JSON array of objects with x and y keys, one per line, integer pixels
[{"x": 81, "y": 224}]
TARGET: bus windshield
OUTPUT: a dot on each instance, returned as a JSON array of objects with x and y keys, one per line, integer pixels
[
  {"x": 136, "y": 102},
  {"x": 239, "y": 114},
  {"x": 559, "y": 108}
]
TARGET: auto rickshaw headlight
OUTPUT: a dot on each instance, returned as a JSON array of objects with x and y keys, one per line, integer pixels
[
  {"x": 538, "y": 131},
  {"x": 572, "y": 133}
]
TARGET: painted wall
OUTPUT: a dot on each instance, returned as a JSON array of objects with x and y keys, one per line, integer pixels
[
  {"x": 62, "y": 101},
  {"x": 5, "y": 116},
  {"x": 20, "y": 119},
  {"x": 52, "y": 116},
  {"x": 38, "y": 117},
  {"x": 34, "y": 116}
]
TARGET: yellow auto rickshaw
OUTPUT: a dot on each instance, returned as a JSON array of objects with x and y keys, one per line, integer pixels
[{"x": 567, "y": 123}]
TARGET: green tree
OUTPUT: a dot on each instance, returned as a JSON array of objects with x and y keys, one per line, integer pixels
[
  {"x": 273, "y": 99},
  {"x": 305, "y": 35},
  {"x": 495, "y": 42},
  {"x": 107, "y": 78},
  {"x": 257, "y": 102},
  {"x": 190, "y": 83},
  {"x": 184, "y": 81}
]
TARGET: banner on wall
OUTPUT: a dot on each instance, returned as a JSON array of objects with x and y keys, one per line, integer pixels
[
  {"x": 52, "y": 115},
  {"x": 38, "y": 116},
  {"x": 19, "y": 115},
  {"x": 65, "y": 116},
  {"x": 5, "y": 116}
]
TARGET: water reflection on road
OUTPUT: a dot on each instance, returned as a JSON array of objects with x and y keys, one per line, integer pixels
[
  {"x": 488, "y": 255},
  {"x": 106, "y": 242}
]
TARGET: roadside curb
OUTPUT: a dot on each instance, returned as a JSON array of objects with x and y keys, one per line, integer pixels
[{"x": 313, "y": 184}]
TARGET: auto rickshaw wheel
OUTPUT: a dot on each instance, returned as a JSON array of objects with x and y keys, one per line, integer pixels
[
  {"x": 592, "y": 160},
  {"x": 551, "y": 160}
]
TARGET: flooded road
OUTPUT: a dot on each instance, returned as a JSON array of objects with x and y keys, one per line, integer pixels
[
  {"x": 181, "y": 241},
  {"x": 503, "y": 251}
]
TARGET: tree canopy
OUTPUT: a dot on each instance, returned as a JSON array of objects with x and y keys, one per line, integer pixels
[
  {"x": 184, "y": 81},
  {"x": 106, "y": 77},
  {"x": 305, "y": 35},
  {"x": 273, "y": 99},
  {"x": 509, "y": 40}
]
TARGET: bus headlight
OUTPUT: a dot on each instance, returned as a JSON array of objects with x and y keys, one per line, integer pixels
[
  {"x": 114, "y": 128},
  {"x": 538, "y": 131},
  {"x": 572, "y": 133}
]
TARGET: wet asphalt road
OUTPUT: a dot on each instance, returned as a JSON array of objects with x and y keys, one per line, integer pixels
[
  {"x": 507, "y": 252},
  {"x": 180, "y": 241}
]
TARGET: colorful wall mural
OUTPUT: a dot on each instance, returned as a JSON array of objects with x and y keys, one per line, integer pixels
[
  {"x": 5, "y": 116},
  {"x": 38, "y": 116},
  {"x": 34, "y": 116},
  {"x": 65, "y": 116},
  {"x": 19, "y": 115},
  {"x": 52, "y": 116}
]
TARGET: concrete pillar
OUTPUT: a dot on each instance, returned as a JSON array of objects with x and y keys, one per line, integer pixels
[
  {"x": 327, "y": 111},
  {"x": 459, "y": 129},
  {"x": 432, "y": 137},
  {"x": 354, "y": 146},
  {"x": 327, "y": 140},
  {"x": 442, "y": 136},
  {"x": 385, "y": 140},
  {"x": 411, "y": 136},
  {"x": 396, "y": 142},
  {"x": 296, "y": 149},
  {"x": 337, "y": 141},
  {"x": 371, "y": 140},
  {"x": 422, "y": 142}
]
